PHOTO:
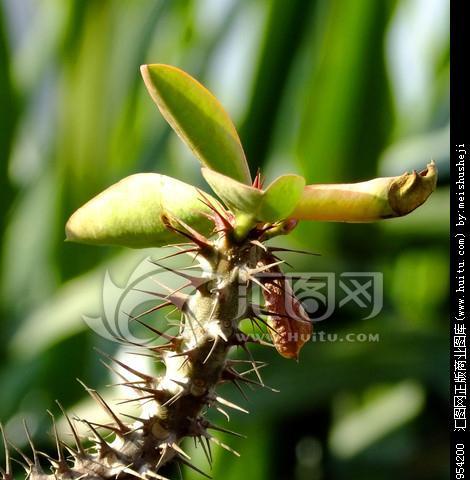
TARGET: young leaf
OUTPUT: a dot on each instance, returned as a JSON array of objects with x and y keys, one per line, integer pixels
[
  {"x": 280, "y": 198},
  {"x": 237, "y": 196},
  {"x": 367, "y": 201},
  {"x": 198, "y": 118},
  {"x": 130, "y": 212},
  {"x": 252, "y": 205},
  {"x": 271, "y": 205}
]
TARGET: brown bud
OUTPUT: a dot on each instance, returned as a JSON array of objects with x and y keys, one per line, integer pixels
[{"x": 291, "y": 328}]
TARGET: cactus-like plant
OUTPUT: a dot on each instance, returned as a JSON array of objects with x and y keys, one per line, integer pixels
[{"x": 227, "y": 236}]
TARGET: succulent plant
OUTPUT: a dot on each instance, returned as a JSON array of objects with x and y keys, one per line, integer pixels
[{"x": 227, "y": 236}]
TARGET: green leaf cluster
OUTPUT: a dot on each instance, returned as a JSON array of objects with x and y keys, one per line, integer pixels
[{"x": 132, "y": 212}]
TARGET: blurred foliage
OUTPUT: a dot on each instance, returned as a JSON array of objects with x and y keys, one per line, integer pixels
[{"x": 335, "y": 90}]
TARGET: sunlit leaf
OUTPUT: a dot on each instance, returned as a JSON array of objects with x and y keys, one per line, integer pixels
[
  {"x": 237, "y": 196},
  {"x": 271, "y": 205},
  {"x": 375, "y": 199},
  {"x": 130, "y": 212},
  {"x": 198, "y": 118},
  {"x": 280, "y": 198}
]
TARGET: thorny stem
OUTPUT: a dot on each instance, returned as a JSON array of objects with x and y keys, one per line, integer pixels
[{"x": 196, "y": 361}]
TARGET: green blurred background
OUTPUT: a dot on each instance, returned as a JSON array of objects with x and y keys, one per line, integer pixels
[{"x": 338, "y": 91}]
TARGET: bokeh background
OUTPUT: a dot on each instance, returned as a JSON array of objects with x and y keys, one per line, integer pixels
[{"x": 338, "y": 91}]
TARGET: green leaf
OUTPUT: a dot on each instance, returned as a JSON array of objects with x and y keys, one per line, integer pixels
[
  {"x": 280, "y": 198},
  {"x": 271, "y": 205},
  {"x": 130, "y": 212},
  {"x": 198, "y": 118},
  {"x": 237, "y": 196},
  {"x": 375, "y": 199}
]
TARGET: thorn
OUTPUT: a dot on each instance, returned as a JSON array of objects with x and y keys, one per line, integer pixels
[
  {"x": 229, "y": 404},
  {"x": 177, "y": 299},
  {"x": 211, "y": 351},
  {"x": 159, "y": 395},
  {"x": 156, "y": 475},
  {"x": 178, "y": 449},
  {"x": 235, "y": 376},
  {"x": 166, "y": 336},
  {"x": 127, "y": 383},
  {"x": 258, "y": 182},
  {"x": 190, "y": 465},
  {"x": 222, "y": 223},
  {"x": 181, "y": 252},
  {"x": 305, "y": 252},
  {"x": 51, "y": 460},
  {"x": 226, "y": 447},
  {"x": 187, "y": 353},
  {"x": 206, "y": 453},
  {"x": 200, "y": 240},
  {"x": 196, "y": 282},
  {"x": 211, "y": 426},
  {"x": 62, "y": 464},
  {"x": 241, "y": 339},
  {"x": 26, "y": 467},
  {"x": 255, "y": 324},
  {"x": 147, "y": 398},
  {"x": 166, "y": 347},
  {"x": 143, "y": 376},
  {"x": 72, "y": 452},
  {"x": 104, "y": 446},
  {"x": 28, "y": 461},
  {"x": 209, "y": 201},
  {"x": 100, "y": 400},
  {"x": 269, "y": 313},
  {"x": 247, "y": 372},
  {"x": 275, "y": 257},
  {"x": 266, "y": 324},
  {"x": 181, "y": 384},
  {"x": 215, "y": 330},
  {"x": 257, "y": 270},
  {"x": 224, "y": 413},
  {"x": 6, "y": 474},
  {"x": 164, "y": 448},
  {"x": 112, "y": 428},
  {"x": 255, "y": 280},
  {"x": 188, "y": 319},
  {"x": 133, "y": 473},
  {"x": 177, "y": 245},
  {"x": 172, "y": 291},
  {"x": 234, "y": 361},
  {"x": 209, "y": 448},
  {"x": 259, "y": 244},
  {"x": 149, "y": 311},
  {"x": 137, "y": 419},
  {"x": 72, "y": 428},
  {"x": 255, "y": 368},
  {"x": 240, "y": 389},
  {"x": 113, "y": 370},
  {"x": 155, "y": 355},
  {"x": 173, "y": 399},
  {"x": 37, "y": 464}
]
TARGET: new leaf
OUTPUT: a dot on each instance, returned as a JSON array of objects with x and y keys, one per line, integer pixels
[
  {"x": 198, "y": 118},
  {"x": 130, "y": 213}
]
